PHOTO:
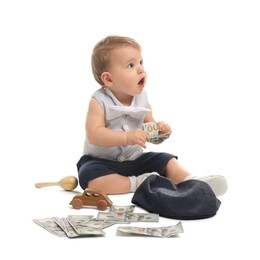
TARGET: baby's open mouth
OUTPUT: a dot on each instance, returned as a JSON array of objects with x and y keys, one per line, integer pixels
[{"x": 141, "y": 82}]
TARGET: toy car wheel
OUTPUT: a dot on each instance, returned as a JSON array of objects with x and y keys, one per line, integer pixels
[
  {"x": 76, "y": 203},
  {"x": 101, "y": 205}
]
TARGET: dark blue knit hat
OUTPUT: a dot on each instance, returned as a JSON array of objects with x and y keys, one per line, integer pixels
[{"x": 191, "y": 199}]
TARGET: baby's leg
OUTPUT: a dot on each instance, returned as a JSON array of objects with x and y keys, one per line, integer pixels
[
  {"x": 118, "y": 184},
  {"x": 111, "y": 184},
  {"x": 177, "y": 174},
  {"x": 175, "y": 171}
]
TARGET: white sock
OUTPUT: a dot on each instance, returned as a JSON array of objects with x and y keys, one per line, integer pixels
[
  {"x": 132, "y": 183},
  {"x": 136, "y": 181},
  {"x": 141, "y": 178}
]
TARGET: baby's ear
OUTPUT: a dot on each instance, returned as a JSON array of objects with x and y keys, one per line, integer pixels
[{"x": 106, "y": 78}]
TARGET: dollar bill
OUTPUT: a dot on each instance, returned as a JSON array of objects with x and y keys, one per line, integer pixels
[
  {"x": 174, "y": 230},
  {"x": 82, "y": 226},
  {"x": 81, "y": 218},
  {"x": 143, "y": 217},
  {"x": 113, "y": 217},
  {"x": 68, "y": 229},
  {"x": 159, "y": 139},
  {"x": 117, "y": 214},
  {"x": 167, "y": 231},
  {"x": 122, "y": 209},
  {"x": 72, "y": 233},
  {"x": 152, "y": 130},
  {"x": 50, "y": 225}
]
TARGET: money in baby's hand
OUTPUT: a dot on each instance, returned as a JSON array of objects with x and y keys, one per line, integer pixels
[
  {"x": 159, "y": 139},
  {"x": 152, "y": 130}
]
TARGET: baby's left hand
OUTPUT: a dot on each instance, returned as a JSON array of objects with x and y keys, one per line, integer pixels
[{"x": 164, "y": 128}]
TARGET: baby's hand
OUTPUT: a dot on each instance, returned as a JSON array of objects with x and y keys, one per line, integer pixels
[
  {"x": 164, "y": 128},
  {"x": 137, "y": 136}
]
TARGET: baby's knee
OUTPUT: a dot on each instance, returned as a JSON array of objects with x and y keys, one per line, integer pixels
[{"x": 172, "y": 162}]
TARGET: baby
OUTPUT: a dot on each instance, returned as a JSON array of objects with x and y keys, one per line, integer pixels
[{"x": 113, "y": 159}]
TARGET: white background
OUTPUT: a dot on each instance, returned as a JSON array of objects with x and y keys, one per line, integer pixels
[{"x": 203, "y": 64}]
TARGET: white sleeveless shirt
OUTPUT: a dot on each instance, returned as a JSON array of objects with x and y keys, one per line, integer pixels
[{"x": 121, "y": 118}]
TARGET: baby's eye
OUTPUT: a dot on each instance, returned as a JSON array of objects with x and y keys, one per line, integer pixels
[
  {"x": 130, "y": 65},
  {"x": 142, "y": 62}
]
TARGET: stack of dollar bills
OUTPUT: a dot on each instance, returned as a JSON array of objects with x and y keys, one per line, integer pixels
[{"x": 89, "y": 226}]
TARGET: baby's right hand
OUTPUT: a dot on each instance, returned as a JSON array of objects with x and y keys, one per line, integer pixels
[{"x": 137, "y": 136}]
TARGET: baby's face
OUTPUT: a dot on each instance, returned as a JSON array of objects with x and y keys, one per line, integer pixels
[{"x": 127, "y": 73}]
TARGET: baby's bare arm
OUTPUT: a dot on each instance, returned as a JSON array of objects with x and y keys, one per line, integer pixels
[
  {"x": 149, "y": 116},
  {"x": 163, "y": 127},
  {"x": 98, "y": 134}
]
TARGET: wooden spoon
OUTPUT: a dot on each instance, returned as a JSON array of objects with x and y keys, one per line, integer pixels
[{"x": 67, "y": 183}]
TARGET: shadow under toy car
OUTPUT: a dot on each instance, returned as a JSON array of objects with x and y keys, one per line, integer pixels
[{"x": 91, "y": 197}]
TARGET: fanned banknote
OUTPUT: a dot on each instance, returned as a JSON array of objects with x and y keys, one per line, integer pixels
[
  {"x": 50, "y": 225},
  {"x": 82, "y": 225},
  {"x": 71, "y": 232},
  {"x": 166, "y": 231},
  {"x": 68, "y": 229}
]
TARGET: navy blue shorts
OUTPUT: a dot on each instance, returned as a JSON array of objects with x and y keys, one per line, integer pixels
[{"x": 90, "y": 168}]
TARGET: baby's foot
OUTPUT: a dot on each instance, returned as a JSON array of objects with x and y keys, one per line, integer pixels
[{"x": 218, "y": 183}]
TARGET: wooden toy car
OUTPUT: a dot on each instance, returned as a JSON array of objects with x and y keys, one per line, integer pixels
[{"x": 91, "y": 197}]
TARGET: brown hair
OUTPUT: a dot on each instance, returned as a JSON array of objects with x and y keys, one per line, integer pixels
[{"x": 102, "y": 52}]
